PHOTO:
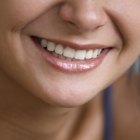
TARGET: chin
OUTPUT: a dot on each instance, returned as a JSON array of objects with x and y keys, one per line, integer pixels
[{"x": 66, "y": 98}]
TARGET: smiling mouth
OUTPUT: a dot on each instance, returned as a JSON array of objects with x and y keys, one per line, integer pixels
[{"x": 71, "y": 57}]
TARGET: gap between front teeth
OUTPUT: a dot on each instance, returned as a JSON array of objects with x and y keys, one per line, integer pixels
[{"x": 70, "y": 52}]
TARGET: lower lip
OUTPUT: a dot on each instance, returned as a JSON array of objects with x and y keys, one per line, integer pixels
[{"x": 74, "y": 65}]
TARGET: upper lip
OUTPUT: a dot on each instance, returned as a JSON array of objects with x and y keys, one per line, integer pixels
[{"x": 75, "y": 45}]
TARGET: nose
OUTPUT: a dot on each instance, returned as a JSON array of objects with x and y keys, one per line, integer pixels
[{"x": 84, "y": 15}]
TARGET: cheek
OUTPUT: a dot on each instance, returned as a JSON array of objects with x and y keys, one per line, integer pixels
[
  {"x": 21, "y": 12},
  {"x": 126, "y": 17}
]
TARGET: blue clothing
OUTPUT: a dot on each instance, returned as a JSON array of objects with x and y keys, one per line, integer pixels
[{"x": 108, "y": 118}]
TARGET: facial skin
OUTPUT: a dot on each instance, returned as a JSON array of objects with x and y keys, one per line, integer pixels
[{"x": 112, "y": 23}]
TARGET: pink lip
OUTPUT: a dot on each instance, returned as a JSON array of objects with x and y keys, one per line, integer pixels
[{"x": 74, "y": 65}]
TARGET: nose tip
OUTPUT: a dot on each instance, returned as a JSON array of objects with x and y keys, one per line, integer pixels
[{"x": 85, "y": 15}]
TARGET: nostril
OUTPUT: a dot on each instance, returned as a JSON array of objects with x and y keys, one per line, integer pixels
[
  {"x": 65, "y": 12},
  {"x": 83, "y": 15},
  {"x": 71, "y": 23}
]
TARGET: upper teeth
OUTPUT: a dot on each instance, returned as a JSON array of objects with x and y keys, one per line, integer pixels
[{"x": 70, "y": 52}]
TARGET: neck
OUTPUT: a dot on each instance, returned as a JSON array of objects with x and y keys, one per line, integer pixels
[
  {"x": 127, "y": 108},
  {"x": 24, "y": 115}
]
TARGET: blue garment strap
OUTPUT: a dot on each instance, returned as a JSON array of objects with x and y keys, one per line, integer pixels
[{"x": 108, "y": 118}]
